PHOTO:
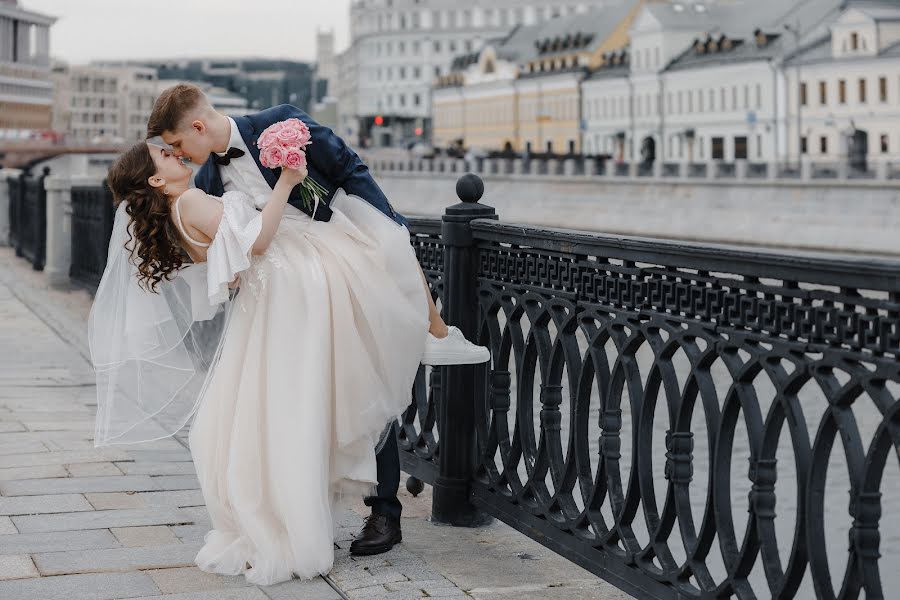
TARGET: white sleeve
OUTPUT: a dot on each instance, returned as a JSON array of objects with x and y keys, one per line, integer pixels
[{"x": 231, "y": 248}]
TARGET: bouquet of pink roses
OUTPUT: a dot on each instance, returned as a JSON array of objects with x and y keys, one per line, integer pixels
[{"x": 283, "y": 146}]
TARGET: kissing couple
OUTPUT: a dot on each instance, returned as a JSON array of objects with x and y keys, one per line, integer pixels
[{"x": 291, "y": 331}]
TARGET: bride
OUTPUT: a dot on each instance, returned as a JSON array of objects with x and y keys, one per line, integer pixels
[{"x": 292, "y": 342}]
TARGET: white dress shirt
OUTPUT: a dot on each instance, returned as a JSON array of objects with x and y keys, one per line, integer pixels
[{"x": 243, "y": 173}]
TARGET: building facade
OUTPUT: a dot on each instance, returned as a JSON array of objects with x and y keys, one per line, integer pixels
[
  {"x": 103, "y": 104},
  {"x": 26, "y": 91},
  {"x": 109, "y": 103},
  {"x": 522, "y": 92},
  {"x": 262, "y": 82},
  {"x": 702, "y": 82},
  {"x": 398, "y": 48},
  {"x": 849, "y": 82},
  {"x": 746, "y": 80}
]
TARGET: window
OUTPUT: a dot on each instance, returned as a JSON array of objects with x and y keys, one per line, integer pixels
[
  {"x": 718, "y": 148},
  {"x": 882, "y": 89},
  {"x": 758, "y": 145},
  {"x": 803, "y": 94},
  {"x": 804, "y": 145},
  {"x": 854, "y": 41},
  {"x": 758, "y": 96},
  {"x": 437, "y": 45},
  {"x": 842, "y": 91},
  {"x": 823, "y": 144},
  {"x": 862, "y": 91},
  {"x": 740, "y": 147},
  {"x": 712, "y": 100},
  {"x": 884, "y": 143},
  {"x": 746, "y": 96},
  {"x": 823, "y": 93}
]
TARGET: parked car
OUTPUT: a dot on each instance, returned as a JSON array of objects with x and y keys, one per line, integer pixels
[{"x": 422, "y": 150}]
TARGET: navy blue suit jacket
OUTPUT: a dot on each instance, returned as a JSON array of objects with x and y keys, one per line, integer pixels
[{"x": 330, "y": 161}]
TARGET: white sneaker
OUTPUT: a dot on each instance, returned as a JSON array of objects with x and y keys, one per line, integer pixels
[{"x": 454, "y": 349}]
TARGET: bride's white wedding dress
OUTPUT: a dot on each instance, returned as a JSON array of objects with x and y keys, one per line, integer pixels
[{"x": 321, "y": 350}]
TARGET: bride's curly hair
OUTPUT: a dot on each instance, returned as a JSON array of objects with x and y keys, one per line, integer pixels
[{"x": 156, "y": 252}]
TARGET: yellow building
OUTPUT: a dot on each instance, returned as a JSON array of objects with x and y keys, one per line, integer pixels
[{"x": 523, "y": 92}]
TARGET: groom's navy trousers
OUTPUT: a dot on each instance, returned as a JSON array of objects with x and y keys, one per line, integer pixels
[{"x": 333, "y": 165}]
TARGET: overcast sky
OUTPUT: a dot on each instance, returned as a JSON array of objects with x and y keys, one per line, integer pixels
[{"x": 124, "y": 29}]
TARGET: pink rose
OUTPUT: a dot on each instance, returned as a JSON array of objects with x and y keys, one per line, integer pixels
[
  {"x": 305, "y": 137},
  {"x": 272, "y": 157},
  {"x": 267, "y": 139},
  {"x": 289, "y": 136},
  {"x": 294, "y": 158}
]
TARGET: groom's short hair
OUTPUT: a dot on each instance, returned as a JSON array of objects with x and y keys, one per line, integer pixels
[{"x": 171, "y": 108}]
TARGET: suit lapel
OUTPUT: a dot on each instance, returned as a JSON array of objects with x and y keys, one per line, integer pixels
[
  {"x": 248, "y": 135},
  {"x": 214, "y": 184}
]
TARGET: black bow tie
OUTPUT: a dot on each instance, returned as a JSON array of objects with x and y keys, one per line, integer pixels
[{"x": 232, "y": 153}]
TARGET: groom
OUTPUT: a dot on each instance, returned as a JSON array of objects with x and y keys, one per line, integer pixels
[{"x": 185, "y": 120}]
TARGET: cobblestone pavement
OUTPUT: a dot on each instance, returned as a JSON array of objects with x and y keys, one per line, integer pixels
[{"x": 105, "y": 524}]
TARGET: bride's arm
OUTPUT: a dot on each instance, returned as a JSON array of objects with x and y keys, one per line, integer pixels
[
  {"x": 204, "y": 213},
  {"x": 274, "y": 210}
]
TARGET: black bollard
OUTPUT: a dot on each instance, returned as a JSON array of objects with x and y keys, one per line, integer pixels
[{"x": 456, "y": 414}]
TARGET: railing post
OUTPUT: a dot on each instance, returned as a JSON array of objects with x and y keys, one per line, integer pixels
[
  {"x": 59, "y": 230},
  {"x": 5, "y": 175},
  {"x": 40, "y": 221},
  {"x": 456, "y": 413},
  {"x": 18, "y": 214}
]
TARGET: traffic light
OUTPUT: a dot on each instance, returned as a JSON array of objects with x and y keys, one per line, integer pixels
[
  {"x": 379, "y": 120},
  {"x": 418, "y": 131}
]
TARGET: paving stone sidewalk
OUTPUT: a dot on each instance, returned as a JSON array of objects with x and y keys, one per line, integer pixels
[{"x": 106, "y": 524}]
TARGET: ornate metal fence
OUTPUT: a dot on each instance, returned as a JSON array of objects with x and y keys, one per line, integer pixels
[
  {"x": 684, "y": 421},
  {"x": 92, "y": 221},
  {"x": 28, "y": 217}
]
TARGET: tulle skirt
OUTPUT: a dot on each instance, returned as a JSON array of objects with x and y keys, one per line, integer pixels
[{"x": 321, "y": 350}]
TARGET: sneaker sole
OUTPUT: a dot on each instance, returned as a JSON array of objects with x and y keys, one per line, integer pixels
[{"x": 455, "y": 359}]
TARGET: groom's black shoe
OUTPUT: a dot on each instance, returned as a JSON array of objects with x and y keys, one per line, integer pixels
[{"x": 378, "y": 535}]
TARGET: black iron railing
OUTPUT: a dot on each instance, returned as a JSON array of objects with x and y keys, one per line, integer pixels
[
  {"x": 684, "y": 421},
  {"x": 28, "y": 217},
  {"x": 92, "y": 222}
]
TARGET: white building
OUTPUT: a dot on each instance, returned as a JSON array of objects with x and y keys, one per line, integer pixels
[
  {"x": 398, "y": 47},
  {"x": 849, "y": 80},
  {"x": 103, "y": 103},
  {"x": 26, "y": 92},
  {"x": 701, "y": 81}
]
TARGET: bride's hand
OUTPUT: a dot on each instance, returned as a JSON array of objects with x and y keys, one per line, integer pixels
[{"x": 293, "y": 177}]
